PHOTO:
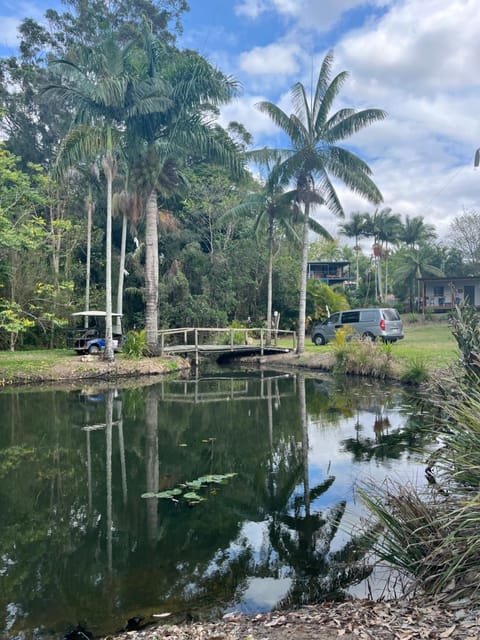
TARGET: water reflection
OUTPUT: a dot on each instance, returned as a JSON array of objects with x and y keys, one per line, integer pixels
[{"x": 78, "y": 543}]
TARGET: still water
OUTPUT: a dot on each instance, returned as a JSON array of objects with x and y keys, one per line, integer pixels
[{"x": 265, "y": 467}]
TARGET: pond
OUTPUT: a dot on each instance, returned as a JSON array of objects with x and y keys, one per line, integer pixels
[{"x": 233, "y": 491}]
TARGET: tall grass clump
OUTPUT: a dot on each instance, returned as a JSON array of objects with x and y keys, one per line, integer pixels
[
  {"x": 361, "y": 356},
  {"x": 416, "y": 372}
]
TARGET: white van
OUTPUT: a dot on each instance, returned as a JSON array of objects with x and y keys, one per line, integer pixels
[{"x": 368, "y": 323}]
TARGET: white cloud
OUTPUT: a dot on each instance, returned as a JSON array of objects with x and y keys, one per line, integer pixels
[
  {"x": 273, "y": 59},
  {"x": 251, "y": 8}
]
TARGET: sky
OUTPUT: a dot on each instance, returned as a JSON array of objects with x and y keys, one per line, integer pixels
[{"x": 416, "y": 59}]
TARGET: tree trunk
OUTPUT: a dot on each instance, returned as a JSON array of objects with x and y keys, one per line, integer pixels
[
  {"x": 121, "y": 271},
  {"x": 151, "y": 273},
  {"x": 109, "y": 354},
  {"x": 270, "y": 283},
  {"x": 90, "y": 208},
  {"x": 303, "y": 283}
]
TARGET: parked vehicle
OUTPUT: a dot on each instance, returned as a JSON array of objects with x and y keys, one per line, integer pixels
[
  {"x": 368, "y": 323},
  {"x": 91, "y": 337}
]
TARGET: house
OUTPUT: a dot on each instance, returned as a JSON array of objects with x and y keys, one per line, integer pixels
[
  {"x": 442, "y": 294},
  {"x": 329, "y": 272}
]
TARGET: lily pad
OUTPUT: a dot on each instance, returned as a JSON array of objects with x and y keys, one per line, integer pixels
[
  {"x": 193, "y": 497},
  {"x": 170, "y": 493}
]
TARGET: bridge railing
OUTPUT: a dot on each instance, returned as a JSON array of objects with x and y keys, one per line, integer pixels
[{"x": 253, "y": 336}]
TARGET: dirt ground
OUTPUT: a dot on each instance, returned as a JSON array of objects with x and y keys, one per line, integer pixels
[{"x": 356, "y": 619}]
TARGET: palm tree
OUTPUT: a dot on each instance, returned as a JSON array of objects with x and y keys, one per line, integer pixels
[
  {"x": 275, "y": 210},
  {"x": 415, "y": 231},
  {"x": 103, "y": 88},
  {"x": 164, "y": 142},
  {"x": 355, "y": 229},
  {"x": 412, "y": 264},
  {"x": 314, "y": 154}
]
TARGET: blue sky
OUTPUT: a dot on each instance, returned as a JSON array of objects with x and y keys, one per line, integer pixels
[{"x": 416, "y": 59}]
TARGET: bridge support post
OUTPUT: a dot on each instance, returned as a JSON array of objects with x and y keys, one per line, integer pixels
[
  {"x": 196, "y": 348},
  {"x": 162, "y": 343},
  {"x": 261, "y": 342}
]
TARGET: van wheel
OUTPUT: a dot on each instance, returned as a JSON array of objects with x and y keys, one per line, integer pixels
[
  {"x": 93, "y": 349},
  {"x": 319, "y": 340},
  {"x": 368, "y": 336}
]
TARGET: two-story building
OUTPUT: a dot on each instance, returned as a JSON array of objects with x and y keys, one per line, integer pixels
[{"x": 329, "y": 272}]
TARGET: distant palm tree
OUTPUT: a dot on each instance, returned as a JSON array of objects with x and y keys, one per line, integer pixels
[
  {"x": 412, "y": 264},
  {"x": 314, "y": 155},
  {"x": 416, "y": 231},
  {"x": 355, "y": 229},
  {"x": 385, "y": 227}
]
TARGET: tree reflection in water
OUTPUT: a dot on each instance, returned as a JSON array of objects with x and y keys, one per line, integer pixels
[{"x": 73, "y": 466}]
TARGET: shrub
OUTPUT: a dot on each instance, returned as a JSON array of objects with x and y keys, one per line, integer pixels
[
  {"x": 361, "y": 356},
  {"x": 134, "y": 344}
]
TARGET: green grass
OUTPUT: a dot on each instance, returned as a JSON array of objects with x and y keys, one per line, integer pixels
[
  {"x": 430, "y": 342},
  {"x": 30, "y": 361}
]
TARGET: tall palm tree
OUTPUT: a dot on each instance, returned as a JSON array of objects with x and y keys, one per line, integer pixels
[
  {"x": 165, "y": 142},
  {"x": 314, "y": 155},
  {"x": 276, "y": 211},
  {"x": 355, "y": 228},
  {"x": 104, "y": 90}
]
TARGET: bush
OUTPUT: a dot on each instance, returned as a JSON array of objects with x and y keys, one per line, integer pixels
[
  {"x": 135, "y": 344},
  {"x": 361, "y": 356}
]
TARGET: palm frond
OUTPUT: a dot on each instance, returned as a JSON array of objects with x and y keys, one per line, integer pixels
[{"x": 354, "y": 122}]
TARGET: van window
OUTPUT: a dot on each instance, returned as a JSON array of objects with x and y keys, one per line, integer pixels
[
  {"x": 348, "y": 317},
  {"x": 333, "y": 319},
  {"x": 369, "y": 315},
  {"x": 390, "y": 314}
]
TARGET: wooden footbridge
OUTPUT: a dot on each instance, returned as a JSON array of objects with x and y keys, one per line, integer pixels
[{"x": 227, "y": 342}]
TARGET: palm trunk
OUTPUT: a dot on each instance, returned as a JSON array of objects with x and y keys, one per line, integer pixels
[
  {"x": 90, "y": 208},
  {"x": 151, "y": 273},
  {"x": 109, "y": 354},
  {"x": 303, "y": 283},
  {"x": 121, "y": 272},
  {"x": 270, "y": 283}
]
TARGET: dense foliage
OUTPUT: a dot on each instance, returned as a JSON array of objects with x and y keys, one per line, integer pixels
[{"x": 117, "y": 183}]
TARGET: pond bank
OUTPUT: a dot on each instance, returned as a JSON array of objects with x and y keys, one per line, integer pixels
[
  {"x": 391, "y": 620},
  {"x": 34, "y": 370}
]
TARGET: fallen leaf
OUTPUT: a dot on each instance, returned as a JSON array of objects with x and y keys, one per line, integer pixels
[{"x": 448, "y": 632}]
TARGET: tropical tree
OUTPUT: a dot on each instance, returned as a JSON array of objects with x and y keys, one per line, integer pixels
[
  {"x": 276, "y": 211},
  {"x": 315, "y": 155},
  {"x": 411, "y": 265},
  {"x": 163, "y": 143},
  {"x": 415, "y": 231},
  {"x": 355, "y": 228},
  {"x": 104, "y": 91}
]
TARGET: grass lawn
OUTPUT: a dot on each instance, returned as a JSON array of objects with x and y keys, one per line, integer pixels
[{"x": 431, "y": 343}]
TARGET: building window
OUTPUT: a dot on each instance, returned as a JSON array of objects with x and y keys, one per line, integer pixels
[{"x": 438, "y": 291}]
